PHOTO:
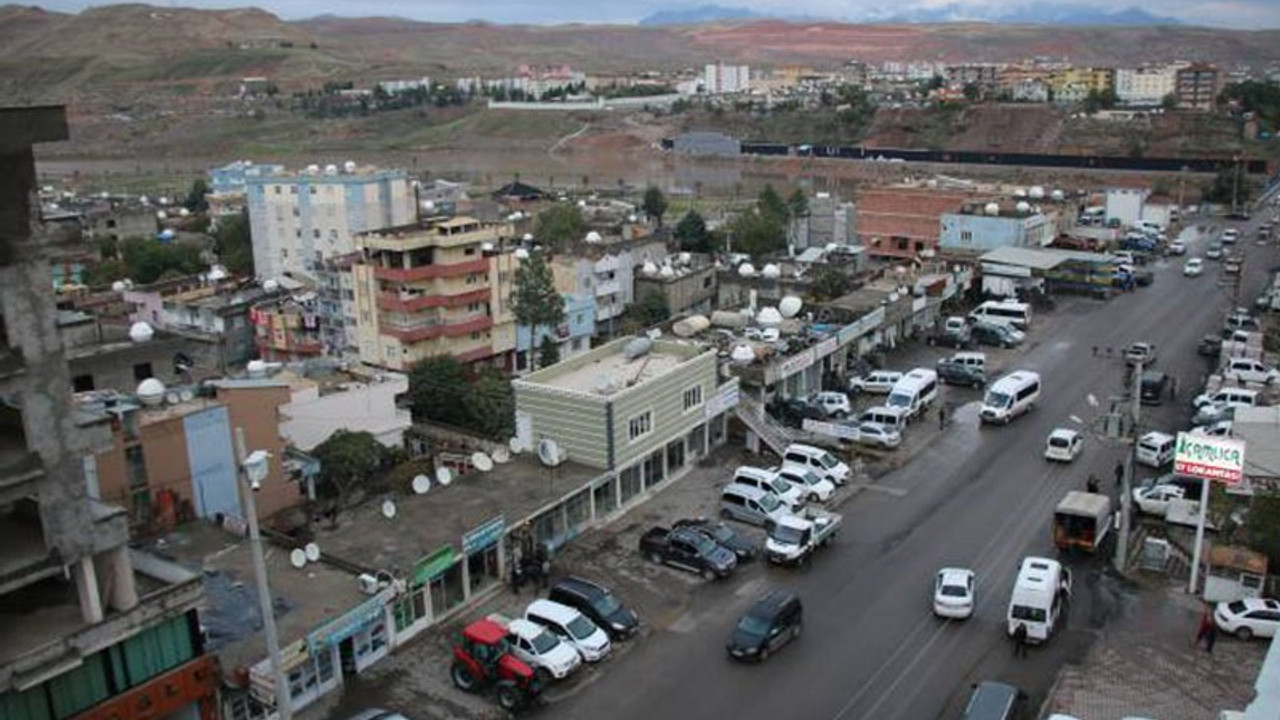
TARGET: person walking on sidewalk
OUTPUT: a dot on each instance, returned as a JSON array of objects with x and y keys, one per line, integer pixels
[
  {"x": 942, "y": 417},
  {"x": 1020, "y": 640},
  {"x": 1208, "y": 630}
]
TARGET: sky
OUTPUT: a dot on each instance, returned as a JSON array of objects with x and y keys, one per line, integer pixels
[{"x": 1244, "y": 14}]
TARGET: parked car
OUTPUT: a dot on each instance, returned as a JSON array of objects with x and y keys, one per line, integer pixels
[
  {"x": 688, "y": 549},
  {"x": 953, "y": 593},
  {"x": 542, "y": 650},
  {"x": 816, "y": 487},
  {"x": 879, "y": 381},
  {"x": 1193, "y": 267},
  {"x": 1140, "y": 352},
  {"x": 876, "y": 435},
  {"x": 995, "y": 701},
  {"x": 1231, "y": 265},
  {"x": 954, "y": 373},
  {"x": 772, "y": 622},
  {"x": 1063, "y": 445},
  {"x": 954, "y": 332},
  {"x": 832, "y": 404},
  {"x": 599, "y": 604},
  {"x": 793, "y": 411},
  {"x": 1152, "y": 387},
  {"x": 572, "y": 627},
  {"x": 1144, "y": 278},
  {"x": 792, "y": 496},
  {"x": 1230, "y": 236},
  {"x": 1209, "y": 346},
  {"x": 1177, "y": 247},
  {"x": 1155, "y": 499},
  {"x": 1249, "y": 618},
  {"x": 1214, "y": 251},
  {"x": 1248, "y": 370},
  {"x": 726, "y": 537},
  {"x": 997, "y": 335},
  {"x": 1221, "y": 428}
]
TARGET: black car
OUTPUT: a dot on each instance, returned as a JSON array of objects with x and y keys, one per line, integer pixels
[
  {"x": 792, "y": 412},
  {"x": 1153, "y": 386},
  {"x": 953, "y": 373},
  {"x": 995, "y": 701},
  {"x": 599, "y": 604},
  {"x": 993, "y": 334},
  {"x": 1144, "y": 277},
  {"x": 772, "y": 622},
  {"x": 724, "y": 536},
  {"x": 1210, "y": 346}
]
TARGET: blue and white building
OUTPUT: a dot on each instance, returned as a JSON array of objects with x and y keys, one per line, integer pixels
[{"x": 573, "y": 335}]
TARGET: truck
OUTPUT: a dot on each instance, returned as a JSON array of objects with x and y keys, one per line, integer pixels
[
  {"x": 688, "y": 549},
  {"x": 793, "y": 539},
  {"x": 1082, "y": 521}
]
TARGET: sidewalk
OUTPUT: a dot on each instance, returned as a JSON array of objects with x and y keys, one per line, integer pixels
[{"x": 1143, "y": 664}]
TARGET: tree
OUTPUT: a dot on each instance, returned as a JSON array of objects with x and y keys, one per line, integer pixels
[
  {"x": 830, "y": 283},
  {"x": 798, "y": 203},
  {"x": 1230, "y": 186},
  {"x": 535, "y": 303},
  {"x": 438, "y": 390},
  {"x": 196, "y": 201},
  {"x": 348, "y": 461},
  {"x": 691, "y": 232},
  {"x": 972, "y": 92},
  {"x": 558, "y": 224},
  {"x": 771, "y": 205},
  {"x": 757, "y": 234},
  {"x": 655, "y": 204},
  {"x": 147, "y": 259},
  {"x": 1169, "y": 102},
  {"x": 234, "y": 244},
  {"x": 1263, "y": 527},
  {"x": 652, "y": 308},
  {"x": 548, "y": 351},
  {"x": 490, "y": 405}
]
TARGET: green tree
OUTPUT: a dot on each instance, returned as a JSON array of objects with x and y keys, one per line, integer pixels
[
  {"x": 757, "y": 234},
  {"x": 548, "y": 351},
  {"x": 830, "y": 283},
  {"x": 438, "y": 390},
  {"x": 1169, "y": 102},
  {"x": 148, "y": 259},
  {"x": 692, "y": 234},
  {"x": 1229, "y": 186},
  {"x": 196, "y": 201},
  {"x": 1263, "y": 527},
  {"x": 652, "y": 308},
  {"x": 349, "y": 461},
  {"x": 535, "y": 303},
  {"x": 558, "y": 224},
  {"x": 234, "y": 244},
  {"x": 655, "y": 204},
  {"x": 798, "y": 203},
  {"x": 491, "y": 405},
  {"x": 972, "y": 92},
  {"x": 772, "y": 206}
]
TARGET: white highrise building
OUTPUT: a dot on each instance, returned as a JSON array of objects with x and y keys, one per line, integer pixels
[
  {"x": 1146, "y": 85},
  {"x": 720, "y": 79}
]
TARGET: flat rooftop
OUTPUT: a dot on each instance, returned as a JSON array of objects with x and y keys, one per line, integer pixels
[{"x": 607, "y": 370}]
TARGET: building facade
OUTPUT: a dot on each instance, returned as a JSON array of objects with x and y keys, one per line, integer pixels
[
  {"x": 1147, "y": 85},
  {"x": 980, "y": 232},
  {"x": 572, "y": 337},
  {"x": 288, "y": 329},
  {"x": 904, "y": 221},
  {"x": 1196, "y": 86},
  {"x": 298, "y": 220},
  {"x": 721, "y": 79},
  {"x": 607, "y": 272}
]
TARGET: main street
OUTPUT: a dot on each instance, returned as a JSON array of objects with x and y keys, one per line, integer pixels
[{"x": 979, "y": 497}]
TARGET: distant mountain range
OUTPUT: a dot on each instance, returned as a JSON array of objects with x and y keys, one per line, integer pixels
[{"x": 1048, "y": 14}]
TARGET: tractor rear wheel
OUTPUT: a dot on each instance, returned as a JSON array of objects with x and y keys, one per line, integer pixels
[{"x": 463, "y": 678}]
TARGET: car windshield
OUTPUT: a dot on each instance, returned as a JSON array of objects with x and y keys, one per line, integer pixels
[
  {"x": 606, "y": 604},
  {"x": 703, "y": 544},
  {"x": 769, "y": 502},
  {"x": 580, "y": 628},
  {"x": 787, "y": 535},
  {"x": 780, "y": 486},
  {"x": 826, "y": 461},
  {"x": 808, "y": 478},
  {"x": 544, "y": 642},
  {"x": 953, "y": 591},
  {"x": 899, "y": 400},
  {"x": 1023, "y": 612},
  {"x": 996, "y": 399},
  {"x": 753, "y": 625}
]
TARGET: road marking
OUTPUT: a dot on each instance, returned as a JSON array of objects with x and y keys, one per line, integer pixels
[{"x": 894, "y": 491}]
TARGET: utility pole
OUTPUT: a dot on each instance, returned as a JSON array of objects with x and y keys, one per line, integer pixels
[
  {"x": 1126, "y": 492},
  {"x": 1235, "y": 186}
]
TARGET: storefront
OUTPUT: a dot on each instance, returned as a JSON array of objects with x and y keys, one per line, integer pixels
[
  {"x": 426, "y": 594},
  {"x": 359, "y": 637}
]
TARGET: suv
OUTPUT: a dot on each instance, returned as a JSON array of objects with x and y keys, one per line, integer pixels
[
  {"x": 996, "y": 334},
  {"x": 598, "y": 604},
  {"x": 791, "y": 495},
  {"x": 1152, "y": 387},
  {"x": 832, "y": 404},
  {"x": 773, "y": 621},
  {"x": 955, "y": 373},
  {"x": 995, "y": 701},
  {"x": 1248, "y": 370}
]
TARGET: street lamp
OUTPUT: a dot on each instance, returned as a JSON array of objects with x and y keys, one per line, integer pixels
[{"x": 254, "y": 469}]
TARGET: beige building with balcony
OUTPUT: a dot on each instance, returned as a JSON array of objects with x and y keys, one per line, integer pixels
[{"x": 442, "y": 288}]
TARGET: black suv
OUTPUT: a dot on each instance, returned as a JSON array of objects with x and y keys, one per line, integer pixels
[
  {"x": 953, "y": 373},
  {"x": 772, "y": 622},
  {"x": 993, "y": 334},
  {"x": 995, "y": 701},
  {"x": 1153, "y": 386},
  {"x": 724, "y": 536},
  {"x": 599, "y": 605}
]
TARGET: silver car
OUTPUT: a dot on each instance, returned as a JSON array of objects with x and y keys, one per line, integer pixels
[{"x": 877, "y": 435}]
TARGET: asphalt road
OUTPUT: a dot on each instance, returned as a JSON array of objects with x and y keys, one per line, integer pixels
[{"x": 978, "y": 497}]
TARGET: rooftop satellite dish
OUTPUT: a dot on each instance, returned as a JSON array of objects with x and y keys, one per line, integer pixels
[
  {"x": 141, "y": 332},
  {"x": 549, "y": 452},
  {"x": 501, "y": 455},
  {"x": 298, "y": 558},
  {"x": 790, "y": 306},
  {"x": 743, "y": 354},
  {"x": 444, "y": 476},
  {"x": 313, "y": 552},
  {"x": 771, "y": 272},
  {"x": 150, "y": 392},
  {"x": 515, "y": 446},
  {"x": 522, "y": 254},
  {"x": 421, "y": 484},
  {"x": 186, "y": 395},
  {"x": 388, "y": 509},
  {"x": 481, "y": 462},
  {"x": 171, "y": 398}
]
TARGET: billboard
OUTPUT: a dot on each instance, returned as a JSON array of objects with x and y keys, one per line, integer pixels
[{"x": 1211, "y": 458}]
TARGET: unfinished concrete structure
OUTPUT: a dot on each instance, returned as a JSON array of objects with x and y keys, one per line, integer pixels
[{"x": 88, "y": 627}]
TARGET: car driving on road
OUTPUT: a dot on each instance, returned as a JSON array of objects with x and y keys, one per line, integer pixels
[
  {"x": 953, "y": 593},
  {"x": 775, "y": 620},
  {"x": 1194, "y": 267}
]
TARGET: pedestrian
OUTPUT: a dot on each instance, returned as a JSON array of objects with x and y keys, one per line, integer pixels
[
  {"x": 1173, "y": 388},
  {"x": 1020, "y": 640},
  {"x": 1211, "y": 637},
  {"x": 1092, "y": 484},
  {"x": 942, "y": 417},
  {"x": 1119, "y": 473},
  {"x": 1206, "y": 625}
]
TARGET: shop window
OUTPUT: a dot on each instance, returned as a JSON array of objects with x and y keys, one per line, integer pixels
[
  {"x": 675, "y": 454},
  {"x": 697, "y": 441},
  {"x": 482, "y": 568},
  {"x": 606, "y": 497},
  {"x": 82, "y": 383},
  {"x": 630, "y": 483},
  {"x": 577, "y": 510},
  {"x": 653, "y": 470}
]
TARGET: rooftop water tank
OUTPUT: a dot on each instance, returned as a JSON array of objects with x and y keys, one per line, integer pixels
[{"x": 141, "y": 332}]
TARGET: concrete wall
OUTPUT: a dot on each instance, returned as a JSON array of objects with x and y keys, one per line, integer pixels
[
  {"x": 310, "y": 418},
  {"x": 695, "y": 291},
  {"x": 111, "y": 364},
  {"x": 577, "y": 422},
  {"x": 258, "y": 410}
]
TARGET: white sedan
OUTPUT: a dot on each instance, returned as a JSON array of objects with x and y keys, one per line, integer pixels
[
  {"x": 1249, "y": 618},
  {"x": 1194, "y": 267},
  {"x": 1064, "y": 445},
  {"x": 953, "y": 593},
  {"x": 876, "y": 435},
  {"x": 1155, "y": 499}
]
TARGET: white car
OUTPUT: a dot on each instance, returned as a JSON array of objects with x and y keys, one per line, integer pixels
[
  {"x": 572, "y": 627},
  {"x": 876, "y": 435},
  {"x": 1063, "y": 445},
  {"x": 1221, "y": 428},
  {"x": 1177, "y": 247},
  {"x": 1214, "y": 251},
  {"x": 1248, "y": 370},
  {"x": 953, "y": 593},
  {"x": 879, "y": 381},
  {"x": 1230, "y": 235},
  {"x": 832, "y": 404},
  {"x": 541, "y": 649},
  {"x": 1154, "y": 500},
  {"x": 818, "y": 489},
  {"x": 1249, "y": 618},
  {"x": 1194, "y": 267}
]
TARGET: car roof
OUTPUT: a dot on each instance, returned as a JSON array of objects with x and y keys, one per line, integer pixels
[
  {"x": 1260, "y": 604},
  {"x": 748, "y": 491},
  {"x": 990, "y": 700},
  {"x": 552, "y": 610},
  {"x": 526, "y": 629},
  {"x": 771, "y": 603},
  {"x": 952, "y": 573},
  {"x": 1067, "y": 433},
  {"x": 1156, "y": 436},
  {"x": 579, "y": 586}
]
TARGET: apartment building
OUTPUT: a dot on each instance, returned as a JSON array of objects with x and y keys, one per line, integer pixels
[
  {"x": 983, "y": 75},
  {"x": 904, "y": 222},
  {"x": 440, "y": 288},
  {"x": 1072, "y": 85},
  {"x": 288, "y": 329},
  {"x": 1196, "y": 86},
  {"x": 721, "y": 79},
  {"x": 300, "y": 219},
  {"x": 606, "y": 270},
  {"x": 1147, "y": 85},
  {"x": 89, "y": 627}
]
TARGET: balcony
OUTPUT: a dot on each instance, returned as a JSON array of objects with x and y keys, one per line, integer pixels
[
  {"x": 395, "y": 302},
  {"x": 431, "y": 272},
  {"x": 418, "y": 332}
]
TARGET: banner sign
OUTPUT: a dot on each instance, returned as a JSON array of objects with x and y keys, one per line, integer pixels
[{"x": 1210, "y": 458}]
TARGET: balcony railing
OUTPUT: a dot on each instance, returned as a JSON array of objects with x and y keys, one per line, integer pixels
[
  {"x": 394, "y": 302},
  {"x": 430, "y": 272},
  {"x": 417, "y": 332}
]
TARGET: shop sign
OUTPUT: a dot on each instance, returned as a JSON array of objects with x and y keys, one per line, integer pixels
[
  {"x": 863, "y": 325},
  {"x": 434, "y": 564},
  {"x": 1210, "y": 458},
  {"x": 483, "y": 535},
  {"x": 724, "y": 399},
  {"x": 826, "y": 347},
  {"x": 795, "y": 363},
  {"x": 343, "y": 627}
]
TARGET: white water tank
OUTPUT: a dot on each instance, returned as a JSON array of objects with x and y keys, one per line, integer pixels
[
  {"x": 1036, "y": 193},
  {"x": 769, "y": 317},
  {"x": 1023, "y": 207},
  {"x": 743, "y": 354},
  {"x": 649, "y": 268},
  {"x": 141, "y": 332},
  {"x": 150, "y": 392}
]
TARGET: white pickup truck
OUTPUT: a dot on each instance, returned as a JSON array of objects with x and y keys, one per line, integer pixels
[{"x": 793, "y": 539}]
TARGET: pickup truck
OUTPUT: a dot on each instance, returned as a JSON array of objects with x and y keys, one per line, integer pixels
[
  {"x": 1082, "y": 521},
  {"x": 792, "y": 540},
  {"x": 688, "y": 549}
]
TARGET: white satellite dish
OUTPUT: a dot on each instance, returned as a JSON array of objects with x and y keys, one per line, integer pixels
[
  {"x": 313, "y": 551},
  {"x": 421, "y": 484},
  {"x": 516, "y": 446},
  {"x": 298, "y": 558},
  {"x": 501, "y": 455},
  {"x": 388, "y": 509},
  {"x": 481, "y": 462},
  {"x": 549, "y": 452},
  {"x": 444, "y": 476},
  {"x": 186, "y": 395}
]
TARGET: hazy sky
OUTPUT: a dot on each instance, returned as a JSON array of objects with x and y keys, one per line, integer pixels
[{"x": 1248, "y": 14}]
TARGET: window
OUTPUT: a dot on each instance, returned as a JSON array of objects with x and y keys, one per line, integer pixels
[
  {"x": 293, "y": 189},
  {"x": 316, "y": 233},
  {"x": 966, "y": 236},
  {"x": 903, "y": 243},
  {"x": 313, "y": 189},
  {"x": 692, "y": 397},
  {"x": 277, "y": 189},
  {"x": 469, "y": 251},
  {"x": 141, "y": 371},
  {"x": 82, "y": 383},
  {"x": 475, "y": 336},
  {"x": 640, "y": 425},
  {"x": 297, "y": 212}
]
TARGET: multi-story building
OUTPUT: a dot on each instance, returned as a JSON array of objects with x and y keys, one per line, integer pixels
[
  {"x": 830, "y": 220},
  {"x": 1030, "y": 90},
  {"x": 1196, "y": 86},
  {"x": 572, "y": 337},
  {"x": 289, "y": 328},
  {"x": 721, "y": 79},
  {"x": 904, "y": 221},
  {"x": 213, "y": 311},
  {"x": 227, "y": 188},
  {"x": 1145, "y": 85},
  {"x": 336, "y": 298},
  {"x": 300, "y": 219},
  {"x": 606, "y": 270},
  {"x": 983, "y": 75},
  {"x": 440, "y": 288},
  {"x": 975, "y": 229},
  {"x": 91, "y": 628}
]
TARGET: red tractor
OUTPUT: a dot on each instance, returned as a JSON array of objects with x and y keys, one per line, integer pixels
[{"x": 482, "y": 657}]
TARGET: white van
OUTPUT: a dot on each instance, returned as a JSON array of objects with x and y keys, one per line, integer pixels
[
  {"x": 890, "y": 417},
  {"x": 1006, "y": 312},
  {"x": 1010, "y": 396},
  {"x": 1039, "y": 598},
  {"x": 818, "y": 460},
  {"x": 915, "y": 392},
  {"x": 1155, "y": 449}
]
